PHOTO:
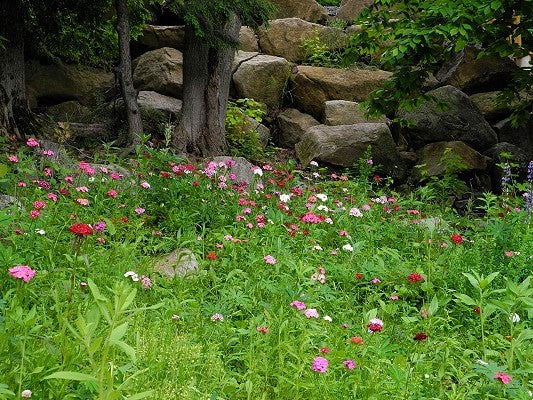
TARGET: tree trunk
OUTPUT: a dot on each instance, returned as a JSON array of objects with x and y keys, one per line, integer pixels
[
  {"x": 206, "y": 82},
  {"x": 13, "y": 103},
  {"x": 125, "y": 74}
]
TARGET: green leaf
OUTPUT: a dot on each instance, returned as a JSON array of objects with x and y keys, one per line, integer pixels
[
  {"x": 4, "y": 169},
  {"x": 142, "y": 395},
  {"x": 126, "y": 348},
  {"x": 118, "y": 333},
  {"x": 434, "y": 305},
  {"x": 473, "y": 281},
  {"x": 72, "y": 376},
  {"x": 465, "y": 299}
]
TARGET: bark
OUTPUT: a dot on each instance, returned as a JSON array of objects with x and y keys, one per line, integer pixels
[
  {"x": 13, "y": 104},
  {"x": 125, "y": 74},
  {"x": 206, "y": 82}
]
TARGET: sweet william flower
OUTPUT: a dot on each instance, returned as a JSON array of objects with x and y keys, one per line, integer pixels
[
  {"x": 320, "y": 364},
  {"x": 269, "y": 259},
  {"x": 311, "y": 313},
  {"x": 415, "y": 277},
  {"x": 350, "y": 364},
  {"x": 26, "y": 394},
  {"x": 456, "y": 238},
  {"x": 80, "y": 229},
  {"x": 503, "y": 378},
  {"x": 22, "y": 272},
  {"x": 420, "y": 336},
  {"x": 300, "y": 305},
  {"x": 375, "y": 325},
  {"x": 217, "y": 317}
]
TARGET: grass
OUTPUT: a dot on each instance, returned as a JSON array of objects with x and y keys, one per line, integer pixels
[{"x": 458, "y": 284}]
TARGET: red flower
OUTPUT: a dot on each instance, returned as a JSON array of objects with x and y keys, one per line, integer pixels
[
  {"x": 415, "y": 277},
  {"x": 211, "y": 255},
  {"x": 325, "y": 350},
  {"x": 81, "y": 229},
  {"x": 357, "y": 340},
  {"x": 375, "y": 327},
  {"x": 456, "y": 238},
  {"x": 477, "y": 310},
  {"x": 359, "y": 275},
  {"x": 420, "y": 336},
  {"x": 125, "y": 220}
]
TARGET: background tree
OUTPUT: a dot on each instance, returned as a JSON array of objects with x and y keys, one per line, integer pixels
[
  {"x": 211, "y": 35},
  {"x": 414, "y": 38}
]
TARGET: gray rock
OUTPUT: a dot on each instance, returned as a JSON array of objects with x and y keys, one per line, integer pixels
[
  {"x": 248, "y": 40},
  {"x": 521, "y": 136},
  {"x": 68, "y": 111},
  {"x": 8, "y": 201},
  {"x": 344, "y": 145},
  {"x": 243, "y": 169},
  {"x": 350, "y": 9},
  {"x": 430, "y": 157},
  {"x": 158, "y": 102},
  {"x": 472, "y": 75},
  {"x": 262, "y": 78},
  {"x": 461, "y": 121},
  {"x": 343, "y": 112},
  {"x": 292, "y": 124},
  {"x": 180, "y": 262},
  {"x": 60, "y": 153},
  {"x": 308, "y": 10},
  {"x": 157, "y": 36},
  {"x": 160, "y": 71},
  {"x": 486, "y": 102},
  {"x": 285, "y": 37},
  {"x": 313, "y": 86},
  {"x": 242, "y": 56}
]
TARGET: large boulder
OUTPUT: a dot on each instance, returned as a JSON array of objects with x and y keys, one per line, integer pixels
[
  {"x": 248, "y": 39},
  {"x": 313, "y": 86},
  {"x": 487, "y": 104},
  {"x": 156, "y": 37},
  {"x": 56, "y": 83},
  {"x": 157, "y": 102},
  {"x": 344, "y": 145},
  {"x": 285, "y": 37},
  {"x": 308, "y": 10},
  {"x": 460, "y": 121},
  {"x": 350, "y": 9},
  {"x": 472, "y": 75},
  {"x": 160, "y": 71},
  {"x": 262, "y": 78},
  {"x": 520, "y": 136},
  {"x": 432, "y": 158},
  {"x": 180, "y": 262},
  {"x": 241, "y": 168},
  {"x": 70, "y": 110},
  {"x": 292, "y": 124},
  {"x": 343, "y": 112}
]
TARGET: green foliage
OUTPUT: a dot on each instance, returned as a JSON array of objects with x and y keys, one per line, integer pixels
[
  {"x": 329, "y": 2},
  {"x": 242, "y": 138},
  {"x": 415, "y": 37},
  {"x": 209, "y": 17},
  {"x": 321, "y": 54}
]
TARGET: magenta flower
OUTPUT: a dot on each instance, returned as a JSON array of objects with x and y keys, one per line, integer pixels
[
  {"x": 350, "y": 364},
  {"x": 13, "y": 159},
  {"x": 503, "y": 377},
  {"x": 32, "y": 143},
  {"x": 269, "y": 259},
  {"x": 140, "y": 211},
  {"x": 300, "y": 305},
  {"x": 320, "y": 364},
  {"x": 22, "y": 272}
]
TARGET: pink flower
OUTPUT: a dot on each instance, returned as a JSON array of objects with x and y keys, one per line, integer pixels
[
  {"x": 375, "y": 281},
  {"x": 325, "y": 350},
  {"x": 262, "y": 329},
  {"x": 300, "y": 305},
  {"x": 48, "y": 153},
  {"x": 34, "y": 214},
  {"x": 32, "y": 143},
  {"x": 146, "y": 282},
  {"x": 52, "y": 196},
  {"x": 311, "y": 313},
  {"x": 99, "y": 226},
  {"x": 320, "y": 364},
  {"x": 269, "y": 259},
  {"x": 21, "y": 184},
  {"x": 145, "y": 185},
  {"x": 217, "y": 317},
  {"x": 355, "y": 212},
  {"x": 350, "y": 364},
  {"x": 38, "y": 205},
  {"x": 140, "y": 211},
  {"x": 13, "y": 158},
  {"x": 375, "y": 325},
  {"x": 22, "y": 272},
  {"x": 503, "y": 377},
  {"x": 83, "y": 189},
  {"x": 509, "y": 254},
  {"x": 112, "y": 193},
  {"x": 68, "y": 179},
  {"x": 82, "y": 202}
]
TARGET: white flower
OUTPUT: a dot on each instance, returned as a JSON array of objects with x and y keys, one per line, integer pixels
[
  {"x": 257, "y": 171},
  {"x": 26, "y": 393},
  {"x": 284, "y": 198},
  {"x": 328, "y": 221},
  {"x": 313, "y": 163},
  {"x": 317, "y": 247},
  {"x": 514, "y": 317},
  {"x": 327, "y": 318},
  {"x": 355, "y": 212},
  {"x": 322, "y": 196},
  {"x": 481, "y": 362},
  {"x": 347, "y": 247},
  {"x": 91, "y": 179},
  {"x": 40, "y": 231},
  {"x": 130, "y": 274},
  {"x": 322, "y": 208}
]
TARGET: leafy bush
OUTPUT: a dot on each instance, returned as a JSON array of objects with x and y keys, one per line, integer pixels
[{"x": 242, "y": 138}]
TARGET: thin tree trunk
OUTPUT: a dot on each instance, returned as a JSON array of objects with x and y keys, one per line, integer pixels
[
  {"x": 206, "y": 82},
  {"x": 13, "y": 103},
  {"x": 125, "y": 74}
]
